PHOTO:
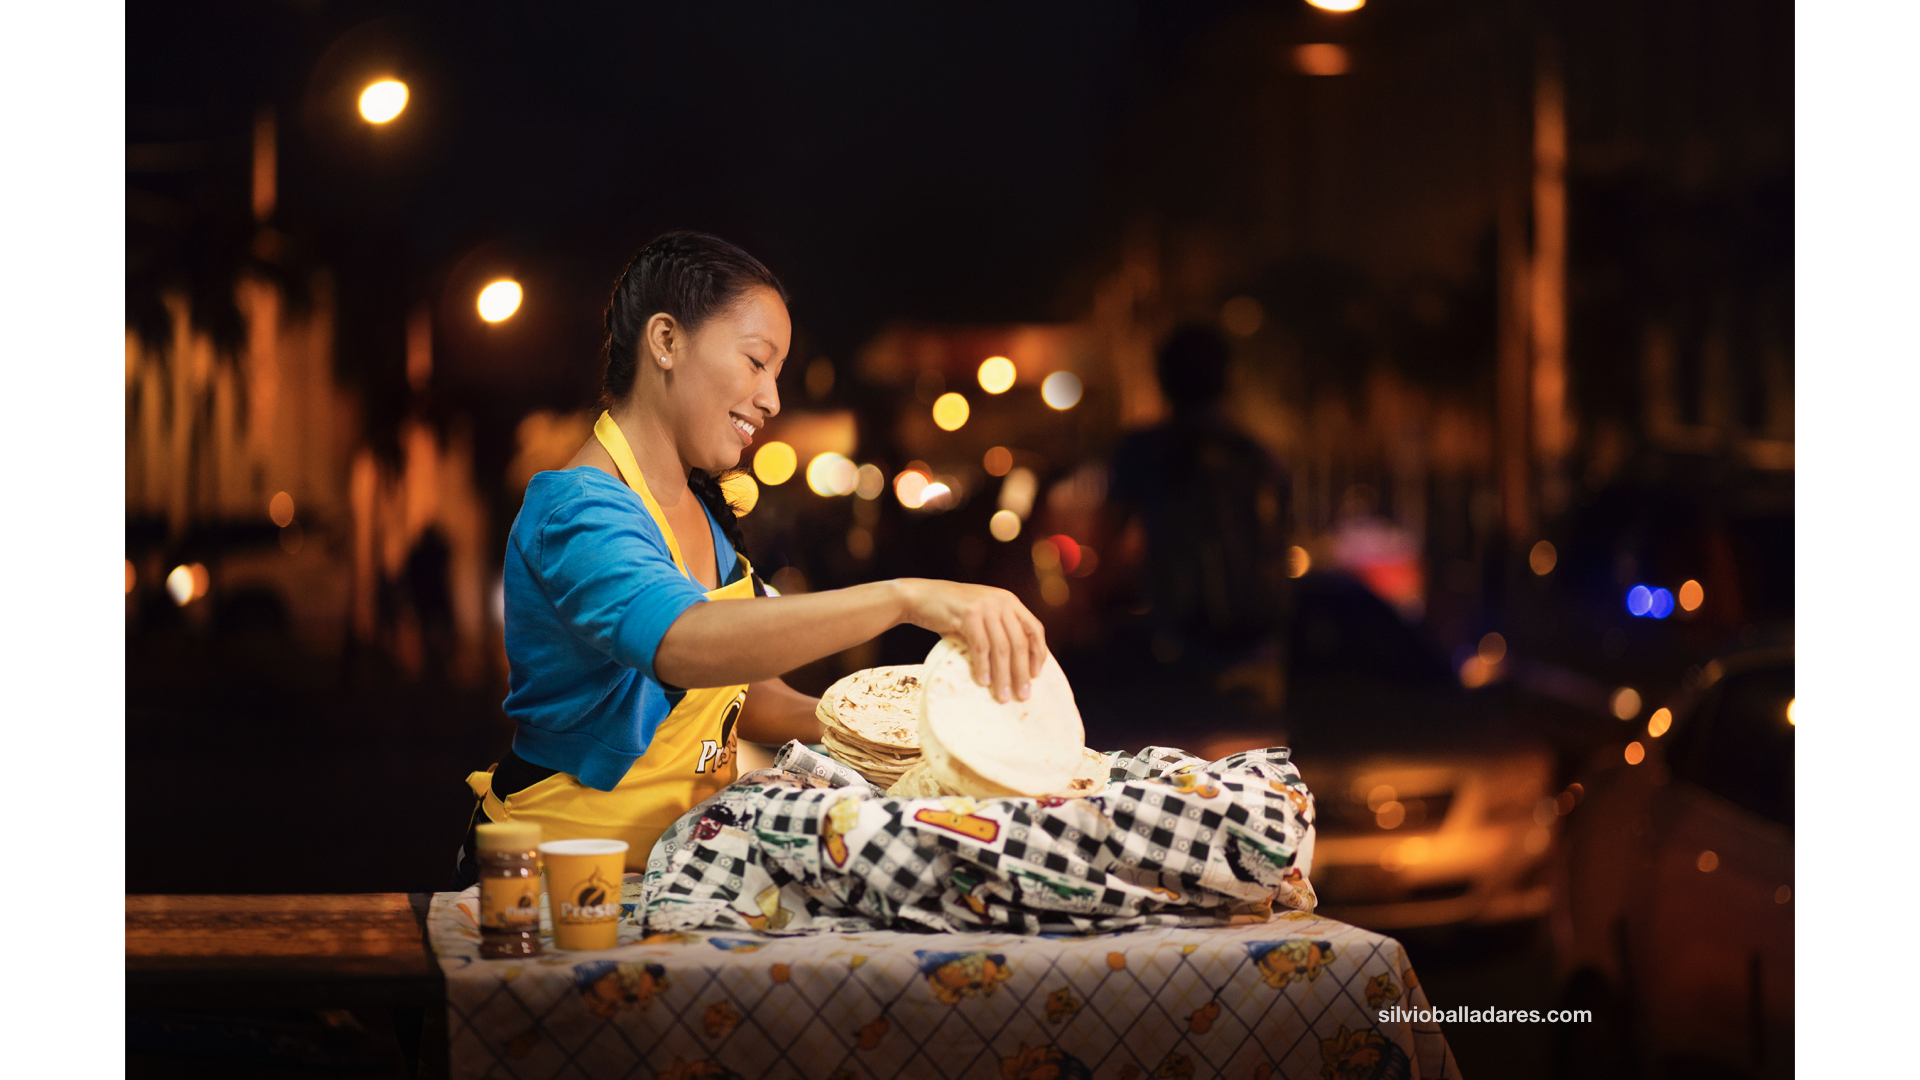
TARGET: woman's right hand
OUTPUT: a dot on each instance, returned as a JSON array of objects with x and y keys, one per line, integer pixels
[{"x": 1005, "y": 642}]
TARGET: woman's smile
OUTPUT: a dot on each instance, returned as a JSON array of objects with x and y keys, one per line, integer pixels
[{"x": 745, "y": 427}]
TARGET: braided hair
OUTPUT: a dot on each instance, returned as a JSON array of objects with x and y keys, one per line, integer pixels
[{"x": 691, "y": 276}]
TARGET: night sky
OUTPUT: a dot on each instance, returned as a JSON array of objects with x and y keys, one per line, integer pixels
[{"x": 930, "y": 161}]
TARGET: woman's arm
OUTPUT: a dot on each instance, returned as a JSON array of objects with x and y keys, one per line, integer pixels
[
  {"x": 775, "y": 712},
  {"x": 722, "y": 642}
]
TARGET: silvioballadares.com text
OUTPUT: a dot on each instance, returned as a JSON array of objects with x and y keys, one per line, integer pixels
[{"x": 1460, "y": 1014}]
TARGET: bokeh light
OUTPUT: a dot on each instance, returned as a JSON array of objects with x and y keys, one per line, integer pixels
[
  {"x": 1321, "y": 58},
  {"x": 1661, "y": 604},
  {"x": 180, "y": 585},
  {"x": 1054, "y": 591},
  {"x": 1004, "y": 525},
  {"x": 1543, "y": 558},
  {"x": 1298, "y": 561},
  {"x": 1339, "y": 6},
  {"x": 1708, "y": 862},
  {"x": 820, "y": 378},
  {"x": 997, "y": 461},
  {"x": 1691, "y": 596},
  {"x": 1790, "y": 702},
  {"x": 775, "y": 462},
  {"x": 741, "y": 492},
  {"x": 1390, "y": 815},
  {"x": 1046, "y": 557},
  {"x": 997, "y": 374},
  {"x": 950, "y": 411},
  {"x": 131, "y": 576},
  {"x": 1017, "y": 491},
  {"x": 1069, "y": 551},
  {"x": 831, "y": 474},
  {"x": 1242, "y": 316},
  {"x": 1626, "y": 703},
  {"x": 1639, "y": 600},
  {"x": 1660, "y": 722},
  {"x": 869, "y": 482},
  {"x": 280, "y": 509},
  {"x": 499, "y": 300},
  {"x": 936, "y": 496},
  {"x": 1061, "y": 390},
  {"x": 1783, "y": 894},
  {"x": 910, "y": 488},
  {"x": 383, "y": 100},
  {"x": 1493, "y": 648},
  {"x": 1635, "y": 753}
]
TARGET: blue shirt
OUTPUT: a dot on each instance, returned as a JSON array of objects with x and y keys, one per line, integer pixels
[{"x": 591, "y": 588}]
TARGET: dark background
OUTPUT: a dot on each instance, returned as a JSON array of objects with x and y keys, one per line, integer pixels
[{"x": 959, "y": 165}]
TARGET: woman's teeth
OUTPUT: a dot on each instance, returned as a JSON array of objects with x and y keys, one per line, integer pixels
[{"x": 745, "y": 429}]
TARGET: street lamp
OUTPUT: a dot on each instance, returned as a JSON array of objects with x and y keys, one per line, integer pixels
[
  {"x": 499, "y": 300},
  {"x": 383, "y": 100}
]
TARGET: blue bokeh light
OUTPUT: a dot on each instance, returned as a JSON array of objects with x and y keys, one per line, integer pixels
[
  {"x": 1639, "y": 600},
  {"x": 1662, "y": 604}
]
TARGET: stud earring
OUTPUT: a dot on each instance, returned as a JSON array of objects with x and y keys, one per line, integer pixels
[{"x": 663, "y": 361}]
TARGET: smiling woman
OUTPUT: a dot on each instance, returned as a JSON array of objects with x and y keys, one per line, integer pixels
[{"x": 635, "y": 625}]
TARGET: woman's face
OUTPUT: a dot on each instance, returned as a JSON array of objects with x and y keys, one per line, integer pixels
[{"x": 721, "y": 385}]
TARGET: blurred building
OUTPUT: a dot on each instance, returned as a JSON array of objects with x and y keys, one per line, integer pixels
[{"x": 251, "y": 466}]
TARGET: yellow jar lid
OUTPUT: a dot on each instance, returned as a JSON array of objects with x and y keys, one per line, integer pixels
[{"x": 508, "y": 836}]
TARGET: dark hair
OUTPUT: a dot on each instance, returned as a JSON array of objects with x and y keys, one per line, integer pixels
[
  {"x": 1193, "y": 365},
  {"x": 691, "y": 276}
]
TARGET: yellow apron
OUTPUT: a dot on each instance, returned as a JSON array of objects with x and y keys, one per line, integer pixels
[{"x": 691, "y": 755}]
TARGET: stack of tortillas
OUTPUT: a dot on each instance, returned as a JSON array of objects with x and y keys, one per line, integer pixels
[
  {"x": 873, "y": 721},
  {"x": 971, "y": 744}
]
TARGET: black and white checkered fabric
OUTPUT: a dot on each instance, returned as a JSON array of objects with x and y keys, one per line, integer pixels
[{"x": 1172, "y": 840}]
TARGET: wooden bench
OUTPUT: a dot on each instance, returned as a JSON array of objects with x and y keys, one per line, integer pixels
[{"x": 366, "y": 954}]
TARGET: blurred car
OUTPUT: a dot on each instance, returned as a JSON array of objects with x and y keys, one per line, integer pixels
[
  {"x": 1673, "y": 884},
  {"x": 1433, "y": 807}
]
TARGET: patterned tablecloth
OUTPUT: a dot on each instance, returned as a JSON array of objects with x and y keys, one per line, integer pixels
[{"x": 1297, "y": 996}]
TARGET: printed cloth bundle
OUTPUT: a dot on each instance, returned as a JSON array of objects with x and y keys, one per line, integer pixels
[{"x": 808, "y": 846}]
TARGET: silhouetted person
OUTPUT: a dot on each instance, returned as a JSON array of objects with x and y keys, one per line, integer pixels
[
  {"x": 1214, "y": 508},
  {"x": 429, "y": 589}
]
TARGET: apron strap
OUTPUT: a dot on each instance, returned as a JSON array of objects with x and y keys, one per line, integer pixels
[{"x": 615, "y": 441}]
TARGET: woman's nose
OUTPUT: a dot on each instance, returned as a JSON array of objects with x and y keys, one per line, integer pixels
[{"x": 766, "y": 397}]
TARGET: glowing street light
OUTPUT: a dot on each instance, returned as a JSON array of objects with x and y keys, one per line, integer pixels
[
  {"x": 831, "y": 474},
  {"x": 500, "y": 300},
  {"x": 775, "y": 462},
  {"x": 1061, "y": 390},
  {"x": 383, "y": 100},
  {"x": 950, "y": 411},
  {"x": 997, "y": 374}
]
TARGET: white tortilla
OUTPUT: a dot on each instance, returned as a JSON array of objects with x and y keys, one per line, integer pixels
[
  {"x": 918, "y": 782},
  {"x": 878, "y": 706},
  {"x": 1032, "y": 747}
]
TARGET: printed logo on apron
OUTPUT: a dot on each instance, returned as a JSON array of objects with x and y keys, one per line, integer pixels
[{"x": 719, "y": 753}]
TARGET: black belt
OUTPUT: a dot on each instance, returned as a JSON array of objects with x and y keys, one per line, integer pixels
[{"x": 515, "y": 774}]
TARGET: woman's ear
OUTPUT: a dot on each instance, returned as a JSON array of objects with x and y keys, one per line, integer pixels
[{"x": 663, "y": 333}]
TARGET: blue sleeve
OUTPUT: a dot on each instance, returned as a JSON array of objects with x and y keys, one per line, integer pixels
[{"x": 607, "y": 570}]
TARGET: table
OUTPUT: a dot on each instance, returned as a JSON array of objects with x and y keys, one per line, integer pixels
[{"x": 1296, "y": 996}]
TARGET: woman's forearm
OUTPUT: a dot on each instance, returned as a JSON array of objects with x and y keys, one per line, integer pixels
[
  {"x": 725, "y": 642},
  {"x": 775, "y": 712}
]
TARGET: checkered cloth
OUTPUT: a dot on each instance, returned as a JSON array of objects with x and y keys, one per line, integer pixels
[{"x": 1172, "y": 840}]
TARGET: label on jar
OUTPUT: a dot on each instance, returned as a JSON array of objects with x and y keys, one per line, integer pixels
[{"x": 510, "y": 904}]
